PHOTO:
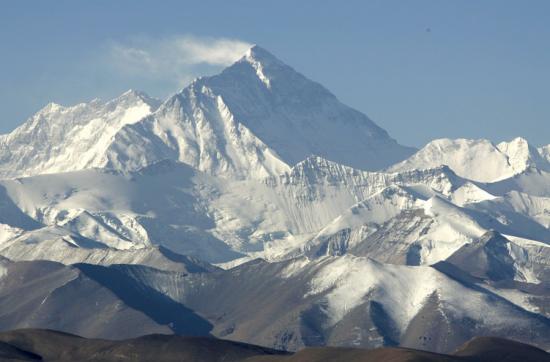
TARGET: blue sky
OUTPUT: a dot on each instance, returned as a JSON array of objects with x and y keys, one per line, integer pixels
[{"x": 420, "y": 69}]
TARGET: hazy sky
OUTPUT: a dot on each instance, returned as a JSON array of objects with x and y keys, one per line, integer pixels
[{"x": 420, "y": 69}]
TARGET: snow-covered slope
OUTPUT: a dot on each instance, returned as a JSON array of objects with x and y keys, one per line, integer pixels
[
  {"x": 342, "y": 301},
  {"x": 522, "y": 156},
  {"x": 495, "y": 258},
  {"x": 260, "y": 162},
  {"x": 315, "y": 205},
  {"x": 545, "y": 152},
  {"x": 56, "y": 244},
  {"x": 403, "y": 291},
  {"x": 399, "y": 225},
  {"x": 194, "y": 213},
  {"x": 158, "y": 205},
  {"x": 414, "y": 224},
  {"x": 60, "y": 139},
  {"x": 350, "y": 301},
  {"x": 532, "y": 181},
  {"x": 360, "y": 221},
  {"x": 477, "y": 160},
  {"x": 257, "y": 118}
]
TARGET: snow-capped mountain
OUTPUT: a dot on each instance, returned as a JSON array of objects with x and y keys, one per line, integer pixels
[
  {"x": 61, "y": 139},
  {"x": 257, "y": 118},
  {"x": 345, "y": 301},
  {"x": 478, "y": 160},
  {"x": 191, "y": 212},
  {"x": 260, "y": 162}
]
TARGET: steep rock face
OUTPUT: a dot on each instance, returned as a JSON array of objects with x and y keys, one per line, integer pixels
[
  {"x": 477, "y": 160},
  {"x": 489, "y": 257},
  {"x": 60, "y": 139},
  {"x": 255, "y": 119}
]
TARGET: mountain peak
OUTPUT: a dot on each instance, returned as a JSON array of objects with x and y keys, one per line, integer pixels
[
  {"x": 258, "y": 54},
  {"x": 257, "y": 117},
  {"x": 318, "y": 164},
  {"x": 50, "y": 108},
  {"x": 133, "y": 95},
  {"x": 60, "y": 138},
  {"x": 265, "y": 64},
  {"x": 478, "y": 160},
  {"x": 519, "y": 140},
  {"x": 521, "y": 155},
  {"x": 288, "y": 115},
  {"x": 130, "y": 95}
]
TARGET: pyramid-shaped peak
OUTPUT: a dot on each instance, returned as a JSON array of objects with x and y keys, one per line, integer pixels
[
  {"x": 257, "y": 52},
  {"x": 256, "y": 63},
  {"x": 289, "y": 113}
]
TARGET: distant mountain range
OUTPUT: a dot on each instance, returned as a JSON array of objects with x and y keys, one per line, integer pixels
[
  {"x": 255, "y": 119},
  {"x": 256, "y": 207}
]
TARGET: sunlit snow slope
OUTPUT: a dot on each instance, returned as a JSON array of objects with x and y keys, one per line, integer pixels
[{"x": 363, "y": 241}]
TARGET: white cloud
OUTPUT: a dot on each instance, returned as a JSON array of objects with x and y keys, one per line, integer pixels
[{"x": 177, "y": 58}]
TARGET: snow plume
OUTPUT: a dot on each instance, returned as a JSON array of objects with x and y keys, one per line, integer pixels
[{"x": 175, "y": 57}]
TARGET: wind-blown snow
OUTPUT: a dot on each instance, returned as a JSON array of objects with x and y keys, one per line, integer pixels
[{"x": 255, "y": 119}]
